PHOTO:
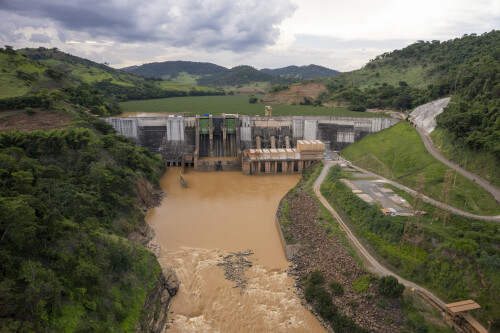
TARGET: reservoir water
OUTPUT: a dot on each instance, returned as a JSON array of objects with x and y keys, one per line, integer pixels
[{"x": 220, "y": 213}]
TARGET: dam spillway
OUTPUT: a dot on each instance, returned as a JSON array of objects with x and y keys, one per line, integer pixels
[{"x": 225, "y": 142}]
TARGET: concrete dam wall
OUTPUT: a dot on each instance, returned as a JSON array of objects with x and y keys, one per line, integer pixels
[{"x": 220, "y": 140}]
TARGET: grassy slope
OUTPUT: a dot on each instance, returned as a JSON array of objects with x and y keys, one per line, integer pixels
[
  {"x": 10, "y": 84},
  {"x": 78, "y": 70},
  {"x": 399, "y": 154},
  {"x": 412, "y": 73},
  {"x": 480, "y": 163},
  {"x": 185, "y": 78},
  {"x": 230, "y": 104}
]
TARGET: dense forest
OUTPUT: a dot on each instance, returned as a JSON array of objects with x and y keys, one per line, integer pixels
[
  {"x": 68, "y": 198},
  {"x": 171, "y": 69},
  {"x": 302, "y": 72},
  {"x": 241, "y": 75}
]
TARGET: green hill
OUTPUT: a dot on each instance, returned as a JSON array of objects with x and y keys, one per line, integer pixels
[
  {"x": 170, "y": 70},
  {"x": 467, "y": 68},
  {"x": 26, "y": 71},
  {"x": 241, "y": 75},
  {"x": 20, "y": 75},
  {"x": 302, "y": 72},
  {"x": 398, "y": 153}
]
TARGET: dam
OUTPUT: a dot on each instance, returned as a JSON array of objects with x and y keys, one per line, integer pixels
[{"x": 251, "y": 144}]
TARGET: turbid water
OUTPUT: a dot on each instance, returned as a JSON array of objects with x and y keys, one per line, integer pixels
[{"x": 222, "y": 212}]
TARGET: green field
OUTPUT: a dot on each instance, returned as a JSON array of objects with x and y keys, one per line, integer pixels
[
  {"x": 231, "y": 104},
  {"x": 399, "y": 154}
]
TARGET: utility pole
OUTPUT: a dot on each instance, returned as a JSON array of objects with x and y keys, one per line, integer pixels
[
  {"x": 441, "y": 212},
  {"x": 413, "y": 232}
]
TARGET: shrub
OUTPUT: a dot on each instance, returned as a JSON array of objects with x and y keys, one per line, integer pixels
[
  {"x": 361, "y": 284},
  {"x": 316, "y": 277},
  {"x": 336, "y": 288},
  {"x": 382, "y": 303},
  {"x": 390, "y": 287},
  {"x": 29, "y": 111}
]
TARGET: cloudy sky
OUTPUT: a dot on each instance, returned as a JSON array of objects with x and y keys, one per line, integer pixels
[{"x": 341, "y": 35}]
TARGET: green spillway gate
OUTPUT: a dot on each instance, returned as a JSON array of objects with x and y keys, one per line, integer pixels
[
  {"x": 230, "y": 126},
  {"x": 204, "y": 125}
]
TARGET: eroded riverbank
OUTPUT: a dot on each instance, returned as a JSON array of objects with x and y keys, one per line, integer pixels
[{"x": 197, "y": 227}]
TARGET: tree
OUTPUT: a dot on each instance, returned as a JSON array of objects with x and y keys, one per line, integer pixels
[
  {"x": 9, "y": 50},
  {"x": 390, "y": 287}
]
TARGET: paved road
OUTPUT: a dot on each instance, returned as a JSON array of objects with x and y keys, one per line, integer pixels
[
  {"x": 429, "y": 200},
  {"x": 429, "y": 145},
  {"x": 372, "y": 264}
]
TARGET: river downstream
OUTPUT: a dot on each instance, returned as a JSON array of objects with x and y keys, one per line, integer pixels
[{"x": 219, "y": 213}]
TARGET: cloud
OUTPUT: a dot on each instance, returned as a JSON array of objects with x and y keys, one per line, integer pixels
[
  {"x": 208, "y": 24},
  {"x": 40, "y": 38}
]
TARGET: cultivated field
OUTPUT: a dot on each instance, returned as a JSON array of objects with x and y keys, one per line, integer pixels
[{"x": 232, "y": 104}]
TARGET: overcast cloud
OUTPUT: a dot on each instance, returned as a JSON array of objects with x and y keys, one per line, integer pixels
[{"x": 341, "y": 35}]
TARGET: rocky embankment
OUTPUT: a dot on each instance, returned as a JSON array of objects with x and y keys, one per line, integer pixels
[
  {"x": 157, "y": 302},
  {"x": 331, "y": 254}
]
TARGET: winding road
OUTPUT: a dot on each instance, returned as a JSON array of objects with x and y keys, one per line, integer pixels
[
  {"x": 429, "y": 145},
  {"x": 429, "y": 200},
  {"x": 371, "y": 263}
]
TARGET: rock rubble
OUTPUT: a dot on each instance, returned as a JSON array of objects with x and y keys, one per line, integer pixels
[
  {"x": 235, "y": 265},
  {"x": 331, "y": 255}
]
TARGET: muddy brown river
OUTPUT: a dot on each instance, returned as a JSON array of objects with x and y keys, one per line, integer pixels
[{"x": 222, "y": 212}]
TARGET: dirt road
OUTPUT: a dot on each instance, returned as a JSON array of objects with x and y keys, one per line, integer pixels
[
  {"x": 371, "y": 263},
  {"x": 429, "y": 145}
]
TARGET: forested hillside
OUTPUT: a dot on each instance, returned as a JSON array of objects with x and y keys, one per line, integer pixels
[
  {"x": 466, "y": 68},
  {"x": 171, "y": 69},
  {"x": 67, "y": 200},
  {"x": 241, "y": 75},
  {"x": 302, "y": 72}
]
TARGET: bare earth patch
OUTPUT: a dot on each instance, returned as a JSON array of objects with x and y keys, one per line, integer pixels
[
  {"x": 42, "y": 120},
  {"x": 295, "y": 94}
]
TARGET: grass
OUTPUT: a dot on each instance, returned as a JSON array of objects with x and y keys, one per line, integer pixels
[
  {"x": 186, "y": 78},
  {"x": 10, "y": 84},
  {"x": 174, "y": 85},
  {"x": 361, "y": 284},
  {"x": 479, "y": 163},
  {"x": 259, "y": 86},
  {"x": 232, "y": 104},
  {"x": 411, "y": 72},
  {"x": 398, "y": 153}
]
